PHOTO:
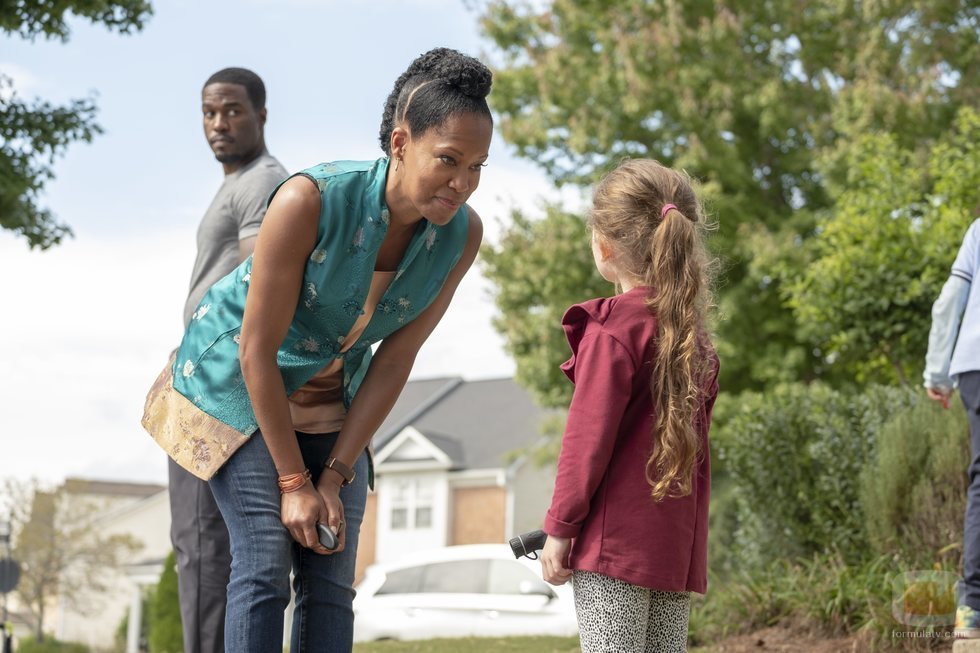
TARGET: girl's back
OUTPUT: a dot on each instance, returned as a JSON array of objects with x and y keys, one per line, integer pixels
[{"x": 604, "y": 500}]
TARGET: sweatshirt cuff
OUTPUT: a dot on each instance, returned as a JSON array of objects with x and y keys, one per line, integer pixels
[
  {"x": 558, "y": 528},
  {"x": 940, "y": 380}
]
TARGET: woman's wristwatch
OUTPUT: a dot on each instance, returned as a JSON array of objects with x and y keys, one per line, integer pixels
[{"x": 340, "y": 468}]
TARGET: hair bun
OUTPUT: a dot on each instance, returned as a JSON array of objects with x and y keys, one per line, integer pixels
[
  {"x": 462, "y": 84},
  {"x": 466, "y": 73}
]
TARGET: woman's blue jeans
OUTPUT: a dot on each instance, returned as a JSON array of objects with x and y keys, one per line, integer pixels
[{"x": 263, "y": 552}]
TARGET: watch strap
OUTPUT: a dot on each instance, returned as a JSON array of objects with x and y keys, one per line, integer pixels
[{"x": 340, "y": 468}]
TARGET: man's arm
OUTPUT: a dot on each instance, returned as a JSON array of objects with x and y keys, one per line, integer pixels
[
  {"x": 250, "y": 202},
  {"x": 245, "y": 248},
  {"x": 946, "y": 315}
]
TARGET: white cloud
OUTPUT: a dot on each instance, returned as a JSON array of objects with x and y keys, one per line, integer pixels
[
  {"x": 25, "y": 83},
  {"x": 88, "y": 325}
]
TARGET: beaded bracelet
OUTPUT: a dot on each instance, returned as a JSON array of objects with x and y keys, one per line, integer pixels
[{"x": 293, "y": 482}]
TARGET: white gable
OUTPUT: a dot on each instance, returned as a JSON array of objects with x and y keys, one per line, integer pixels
[{"x": 411, "y": 448}]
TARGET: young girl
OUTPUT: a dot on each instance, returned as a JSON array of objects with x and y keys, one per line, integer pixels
[{"x": 629, "y": 517}]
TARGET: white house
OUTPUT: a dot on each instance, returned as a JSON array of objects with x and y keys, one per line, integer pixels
[{"x": 141, "y": 511}]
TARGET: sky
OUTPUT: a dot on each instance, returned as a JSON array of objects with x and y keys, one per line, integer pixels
[{"x": 88, "y": 325}]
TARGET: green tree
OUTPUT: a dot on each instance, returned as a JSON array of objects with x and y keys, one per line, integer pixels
[
  {"x": 881, "y": 256},
  {"x": 34, "y": 134},
  {"x": 165, "y": 629},
  {"x": 539, "y": 269},
  {"x": 61, "y": 551},
  {"x": 745, "y": 96}
]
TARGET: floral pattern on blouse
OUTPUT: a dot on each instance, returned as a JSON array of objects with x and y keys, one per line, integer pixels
[
  {"x": 309, "y": 343},
  {"x": 201, "y": 311},
  {"x": 399, "y": 307},
  {"x": 357, "y": 245},
  {"x": 311, "y": 296}
]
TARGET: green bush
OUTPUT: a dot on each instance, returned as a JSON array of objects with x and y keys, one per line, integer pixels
[
  {"x": 829, "y": 495},
  {"x": 822, "y": 594},
  {"x": 30, "y": 645},
  {"x": 795, "y": 456},
  {"x": 165, "y": 632},
  {"x": 914, "y": 489}
]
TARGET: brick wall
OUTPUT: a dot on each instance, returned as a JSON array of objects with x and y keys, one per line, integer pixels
[
  {"x": 368, "y": 537},
  {"x": 478, "y": 515}
]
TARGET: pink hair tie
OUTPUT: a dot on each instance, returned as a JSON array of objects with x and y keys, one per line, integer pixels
[{"x": 667, "y": 207}]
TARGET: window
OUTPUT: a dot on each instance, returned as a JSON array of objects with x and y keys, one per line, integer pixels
[
  {"x": 411, "y": 504},
  {"x": 402, "y": 581},
  {"x": 456, "y": 577},
  {"x": 399, "y": 518}
]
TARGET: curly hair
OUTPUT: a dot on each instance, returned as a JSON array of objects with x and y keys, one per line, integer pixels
[
  {"x": 438, "y": 85},
  {"x": 665, "y": 249}
]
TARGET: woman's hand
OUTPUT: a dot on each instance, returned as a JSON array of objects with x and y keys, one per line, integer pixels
[
  {"x": 301, "y": 510},
  {"x": 329, "y": 493},
  {"x": 554, "y": 557}
]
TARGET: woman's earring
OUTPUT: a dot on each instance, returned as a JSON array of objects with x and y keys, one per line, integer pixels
[{"x": 397, "y": 161}]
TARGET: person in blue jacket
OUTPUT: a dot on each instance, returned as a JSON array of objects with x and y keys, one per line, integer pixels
[
  {"x": 274, "y": 394},
  {"x": 954, "y": 359}
]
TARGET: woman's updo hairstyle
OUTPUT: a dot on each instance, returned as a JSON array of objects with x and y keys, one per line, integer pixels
[{"x": 438, "y": 85}]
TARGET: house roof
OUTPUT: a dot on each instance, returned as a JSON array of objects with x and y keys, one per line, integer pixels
[
  {"x": 416, "y": 398},
  {"x": 452, "y": 447},
  {"x": 476, "y": 423},
  {"x": 111, "y": 488}
]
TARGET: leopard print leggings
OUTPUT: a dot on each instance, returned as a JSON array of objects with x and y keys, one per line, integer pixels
[{"x": 615, "y": 616}]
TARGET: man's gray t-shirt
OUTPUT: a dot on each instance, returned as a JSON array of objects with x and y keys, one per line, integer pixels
[{"x": 235, "y": 214}]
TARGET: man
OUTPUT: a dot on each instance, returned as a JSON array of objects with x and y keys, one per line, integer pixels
[
  {"x": 946, "y": 367},
  {"x": 233, "y": 105}
]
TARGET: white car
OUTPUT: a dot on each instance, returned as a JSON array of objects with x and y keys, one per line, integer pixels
[{"x": 475, "y": 590}]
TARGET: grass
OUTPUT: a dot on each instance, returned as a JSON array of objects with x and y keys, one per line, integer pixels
[{"x": 475, "y": 645}]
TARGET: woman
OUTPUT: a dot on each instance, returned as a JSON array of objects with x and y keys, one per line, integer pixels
[{"x": 275, "y": 397}]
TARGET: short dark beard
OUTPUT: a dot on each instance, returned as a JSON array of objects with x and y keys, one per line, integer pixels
[{"x": 230, "y": 157}]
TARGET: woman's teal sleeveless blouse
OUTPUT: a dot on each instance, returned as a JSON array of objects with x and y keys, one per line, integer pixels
[{"x": 353, "y": 223}]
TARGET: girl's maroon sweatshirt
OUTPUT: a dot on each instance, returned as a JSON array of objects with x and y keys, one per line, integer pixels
[{"x": 602, "y": 498}]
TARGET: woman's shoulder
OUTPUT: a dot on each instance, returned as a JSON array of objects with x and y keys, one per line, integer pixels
[
  {"x": 346, "y": 174},
  {"x": 466, "y": 220}
]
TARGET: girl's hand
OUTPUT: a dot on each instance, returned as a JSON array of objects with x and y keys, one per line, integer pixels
[
  {"x": 301, "y": 510},
  {"x": 329, "y": 493},
  {"x": 554, "y": 557}
]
